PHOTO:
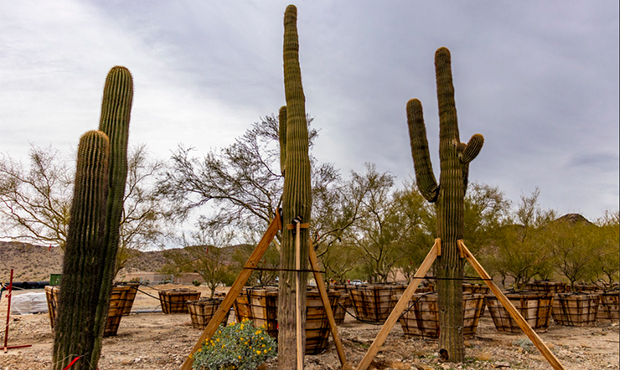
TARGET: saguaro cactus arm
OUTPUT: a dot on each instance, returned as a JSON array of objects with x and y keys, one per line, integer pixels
[
  {"x": 419, "y": 151},
  {"x": 473, "y": 147},
  {"x": 74, "y": 330},
  {"x": 282, "y": 134}
]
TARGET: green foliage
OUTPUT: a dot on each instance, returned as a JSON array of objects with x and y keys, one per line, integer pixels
[
  {"x": 521, "y": 247},
  {"x": 609, "y": 262},
  {"x": 576, "y": 248},
  {"x": 196, "y": 283},
  {"x": 238, "y": 346}
]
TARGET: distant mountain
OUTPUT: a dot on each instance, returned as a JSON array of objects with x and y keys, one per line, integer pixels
[{"x": 36, "y": 263}]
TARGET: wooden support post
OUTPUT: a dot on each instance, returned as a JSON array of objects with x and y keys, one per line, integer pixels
[
  {"x": 328, "y": 309},
  {"x": 400, "y": 306},
  {"x": 235, "y": 289},
  {"x": 544, "y": 350},
  {"x": 299, "y": 334},
  {"x": 8, "y": 313}
]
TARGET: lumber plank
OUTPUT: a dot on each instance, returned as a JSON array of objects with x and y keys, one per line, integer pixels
[
  {"x": 527, "y": 329},
  {"x": 400, "y": 307},
  {"x": 328, "y": 309},
  {"x": 235, "y": 289}
]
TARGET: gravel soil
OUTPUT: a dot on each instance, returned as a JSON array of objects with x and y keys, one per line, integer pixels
[{"x": 152, "y": 340}]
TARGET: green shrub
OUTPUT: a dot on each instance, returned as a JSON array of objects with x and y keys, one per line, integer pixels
[
  {"x": 196, "y": 282},
  {"x": 238, "y": 346}
]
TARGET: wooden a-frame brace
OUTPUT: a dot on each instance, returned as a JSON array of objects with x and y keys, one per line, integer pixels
[
  {"x": 417, "y": 279},
  {"x": 242, "y": 278}
]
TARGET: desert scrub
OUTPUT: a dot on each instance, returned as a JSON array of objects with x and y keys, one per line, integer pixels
[{"x": 238, "y": 346}]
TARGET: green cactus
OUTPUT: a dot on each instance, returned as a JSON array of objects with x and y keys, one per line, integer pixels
[
  {"x": 75, "y": 327},
  {"x": 448, "y": 197},
  {"x": 115, "y": 116},
  {"x": 296, "y": 199},
  {"x": 282, "y": 134}
]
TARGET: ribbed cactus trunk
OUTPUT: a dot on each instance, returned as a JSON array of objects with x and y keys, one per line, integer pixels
[
  {"x": 296, "y": 199},
  {"x": 75, "y": 333},
  {"x": 448, "y": 197},
  {"x": 114, "y": 121}
]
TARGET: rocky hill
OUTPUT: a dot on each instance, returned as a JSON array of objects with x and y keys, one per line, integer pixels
[{"x": 36, "y": 263}]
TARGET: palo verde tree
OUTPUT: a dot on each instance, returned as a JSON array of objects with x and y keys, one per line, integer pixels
[
  {"x": 35, "y": 201},
  {"x": 296, "y": 198},
  {"x": 448, "y": 196}
]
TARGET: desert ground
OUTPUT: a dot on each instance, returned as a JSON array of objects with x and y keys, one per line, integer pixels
[{"x": 153, "y": 340}]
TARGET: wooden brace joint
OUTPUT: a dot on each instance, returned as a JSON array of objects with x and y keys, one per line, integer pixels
[
  {"x": 294, "y": 226},
  {"x": 438, "y": 244},
  {"x": 462, "y": 247}
]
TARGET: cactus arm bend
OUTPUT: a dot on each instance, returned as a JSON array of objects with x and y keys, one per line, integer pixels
[
  {"x": 472, "y": 149},
  {"x": 419, "y": 151}
]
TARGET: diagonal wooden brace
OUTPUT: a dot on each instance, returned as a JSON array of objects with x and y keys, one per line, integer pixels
[
  {"x": 400, "y": 306},
  {"x": 235, "y": 289},
  {"x": 328, "y": 309},
  {"x": 527, "y": 329}
]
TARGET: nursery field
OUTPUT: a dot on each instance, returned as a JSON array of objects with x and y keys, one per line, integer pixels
[{"x": 152, "y": 340}]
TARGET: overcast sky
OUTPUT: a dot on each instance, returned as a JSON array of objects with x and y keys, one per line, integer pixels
[{"x": 539, "y": 79}]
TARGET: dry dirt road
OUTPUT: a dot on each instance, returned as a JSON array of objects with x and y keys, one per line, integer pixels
[{"x": 162, "y": 342}]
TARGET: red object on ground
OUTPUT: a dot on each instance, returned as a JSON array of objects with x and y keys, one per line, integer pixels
[
  {"x": 8, "y": 317},
  {"x": 72, "y": 362}
]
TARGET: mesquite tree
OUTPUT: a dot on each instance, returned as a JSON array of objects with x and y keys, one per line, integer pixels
[
  {"x": 296, "y": 198},
  {"x": 448, "y": 196},
  {"x": 75, "y": 332}
]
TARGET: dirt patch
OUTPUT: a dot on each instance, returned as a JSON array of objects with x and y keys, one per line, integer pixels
[{"x": 152, "y": 340}]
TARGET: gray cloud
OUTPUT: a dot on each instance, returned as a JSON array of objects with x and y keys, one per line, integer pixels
[{"x": 538, "y": 79}]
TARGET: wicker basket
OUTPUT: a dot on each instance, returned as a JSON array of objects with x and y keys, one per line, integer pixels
[
  {"x": 374, "y": 303},
  {"x": 546, "y": 286},
  {"x": 422, "y": 317},
  {"x": 575, "y": 309},
  {"x": 175, "y": 300},
  {"x": 261, "y": 306},
  {"x": 344, "y": 302},
  {"x": 608, "y": 309},
  {"x": 118, "y": 298},
  {"x": 535, "y": 307},
  {"x": 202, "y": 310},
  {"x": 475, "y": 288},
  {"x": 130, "y": 297}
]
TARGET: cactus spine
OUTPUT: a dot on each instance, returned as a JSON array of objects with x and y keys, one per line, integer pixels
[
  {"x": 448, "y": 197},
  {"x": 296, "y": 198},
  {"x": 75, "y": 327},
  {"x": 115, "y": 116}
]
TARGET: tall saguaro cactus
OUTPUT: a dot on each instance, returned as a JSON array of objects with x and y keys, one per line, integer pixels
[
  {"x": 448, "y": 197},
  {"x": 114, "y": 121},
  {"x": 296, "y": 199},
  {"x": 75, "y": 327}
]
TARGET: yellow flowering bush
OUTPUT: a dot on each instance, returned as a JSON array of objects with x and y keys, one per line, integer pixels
[{"x": 238, "y": 346}]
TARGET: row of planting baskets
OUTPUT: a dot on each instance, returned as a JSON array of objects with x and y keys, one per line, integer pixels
[
  {"x": 259, "y": 305},
  {"x": 121, "y": 301}
]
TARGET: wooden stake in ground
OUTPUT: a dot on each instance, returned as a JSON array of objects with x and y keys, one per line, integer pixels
[
  {"x": 298, "y": 308},
  {"x": 235, "y": 289},
  {"x": 328, "y": 309}
]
